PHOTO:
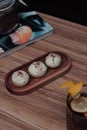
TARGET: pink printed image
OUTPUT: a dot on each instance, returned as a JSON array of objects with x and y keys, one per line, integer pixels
[{"x": 21, "y": 35}]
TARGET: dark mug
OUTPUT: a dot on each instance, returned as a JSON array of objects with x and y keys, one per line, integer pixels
[{"x": 8, "y": 16}]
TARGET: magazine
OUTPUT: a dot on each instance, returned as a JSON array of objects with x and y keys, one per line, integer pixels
[{"x": 40, "y": 29}]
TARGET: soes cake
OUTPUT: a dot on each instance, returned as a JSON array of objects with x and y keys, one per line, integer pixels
[
  {"x": 20, "y": 78},
  {"x": 53, "y": 60},
  {"x": 37, "y": 69}
]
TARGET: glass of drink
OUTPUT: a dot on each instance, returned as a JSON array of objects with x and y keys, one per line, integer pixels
[{"x": 76, "y": 111}]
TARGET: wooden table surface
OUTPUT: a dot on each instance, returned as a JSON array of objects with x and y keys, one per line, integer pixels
[{"x": 45, "y": 108}]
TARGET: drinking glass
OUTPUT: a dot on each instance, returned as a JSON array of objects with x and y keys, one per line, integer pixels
[{"x": 75, "y": 120}]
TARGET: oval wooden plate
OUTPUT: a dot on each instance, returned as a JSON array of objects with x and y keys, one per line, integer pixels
[{"x": 35, "y": 83}]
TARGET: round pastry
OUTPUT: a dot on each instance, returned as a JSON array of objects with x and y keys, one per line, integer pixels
[
  {"x": 20, "y": 78},
  {"x": 37, "y": 69},
  {"x": 53, "y": 60},
  {"x": 21, "y": 35}
]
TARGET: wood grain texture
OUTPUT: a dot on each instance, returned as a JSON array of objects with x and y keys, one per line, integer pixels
[{"x": 44, "y": 109}]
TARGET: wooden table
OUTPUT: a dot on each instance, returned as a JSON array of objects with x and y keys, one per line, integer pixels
[{"x": 45, "y": 108}]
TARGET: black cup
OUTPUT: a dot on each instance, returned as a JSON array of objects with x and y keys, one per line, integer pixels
[{"x": 8, "y": 16}]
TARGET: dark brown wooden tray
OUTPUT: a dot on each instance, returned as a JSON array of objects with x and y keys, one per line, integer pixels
[{"x": 35, "y": 83}]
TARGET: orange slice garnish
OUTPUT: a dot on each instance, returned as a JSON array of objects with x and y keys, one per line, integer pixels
[
  {"x": 68, "y": 84},
  {"x": 73, "y": 91}
]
